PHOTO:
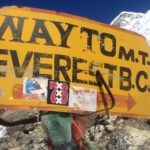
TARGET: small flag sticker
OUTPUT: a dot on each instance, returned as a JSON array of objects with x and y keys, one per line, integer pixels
[{"x": 58, "y": 93}]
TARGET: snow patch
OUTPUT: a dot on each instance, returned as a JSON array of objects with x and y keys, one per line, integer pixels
[
  {"x": 136, "y": 22},
  {"x": 2, "y": 131}
]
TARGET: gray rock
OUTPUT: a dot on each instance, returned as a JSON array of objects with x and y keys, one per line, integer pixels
[
  {"x": 122, "y": 134},
  {"x": 112, "y": 119},
  {"x": 98, "y": 136},
  {"x": 110, "y": 128},
  {"x": 100, "y": 128},
  {"x": 108, "y": 133}
]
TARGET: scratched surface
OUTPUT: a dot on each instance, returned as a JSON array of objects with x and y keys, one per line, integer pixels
[{"x": 40, "y": 43}]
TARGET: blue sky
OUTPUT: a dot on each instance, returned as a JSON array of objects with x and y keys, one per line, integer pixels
[{"x": 100, "y": 10}]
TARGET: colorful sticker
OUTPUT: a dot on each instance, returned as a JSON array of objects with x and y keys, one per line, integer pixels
[
  {"x": 58, "y": 93},
  {"x": 17, "y": 91},
  {"x": 83, "y": 98},
  {"x": 35, "y": 88}
]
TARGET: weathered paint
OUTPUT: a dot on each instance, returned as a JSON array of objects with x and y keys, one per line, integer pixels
[{"x": 40, "y": 43}]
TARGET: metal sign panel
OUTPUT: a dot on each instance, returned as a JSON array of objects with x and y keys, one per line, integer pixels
[{"x": 48, "y": 61}]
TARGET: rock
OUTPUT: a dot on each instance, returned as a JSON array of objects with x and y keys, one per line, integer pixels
[
  {"x": 25, "y": 136},
  {"x": 120, "y": 121},
  {"x": 110, "y": 128},
  {"x": 108, "y": 133},
  {"x": 2, "y": 131},
  {"x": 112, "y": 119},
  {"x": 28, "y": 128},
  {"x": 122, "y": 134},
  {"x": 14, "y": 115},
  {"x": 98, "y": 136},
  {"x": 100, "y": 128},
  {"x": 148, "y": 122},
  {"x": 101, "y": 119},
  {"x": 91, "y": 130}
]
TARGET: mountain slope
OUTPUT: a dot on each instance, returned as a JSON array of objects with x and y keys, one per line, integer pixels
[{"x": 137, "y": 22}]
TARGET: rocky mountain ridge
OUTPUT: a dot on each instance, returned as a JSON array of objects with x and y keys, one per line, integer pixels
[{"x": 137, "y": 22}]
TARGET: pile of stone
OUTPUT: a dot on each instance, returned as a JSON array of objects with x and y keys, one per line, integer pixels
[
  {"x": 114, "y": 133},
  {"x": 106, "y": 132},
  {"x": 22, "y": 137}
]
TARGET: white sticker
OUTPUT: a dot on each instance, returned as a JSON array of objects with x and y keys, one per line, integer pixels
[
  {"x": 35, "y": 88},
  {"x": 83, "y": 98}
]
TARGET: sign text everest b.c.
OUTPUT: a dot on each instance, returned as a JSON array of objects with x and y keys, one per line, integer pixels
[{"x": 41, "y": 34}]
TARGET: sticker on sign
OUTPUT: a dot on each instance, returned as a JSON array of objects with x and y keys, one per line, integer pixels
[
  {"x": 35, "y": 88},
  {"x": 83, "y": 98}
]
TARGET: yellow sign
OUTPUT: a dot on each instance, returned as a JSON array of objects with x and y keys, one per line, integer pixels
[{"x": 48, "y": 61}]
